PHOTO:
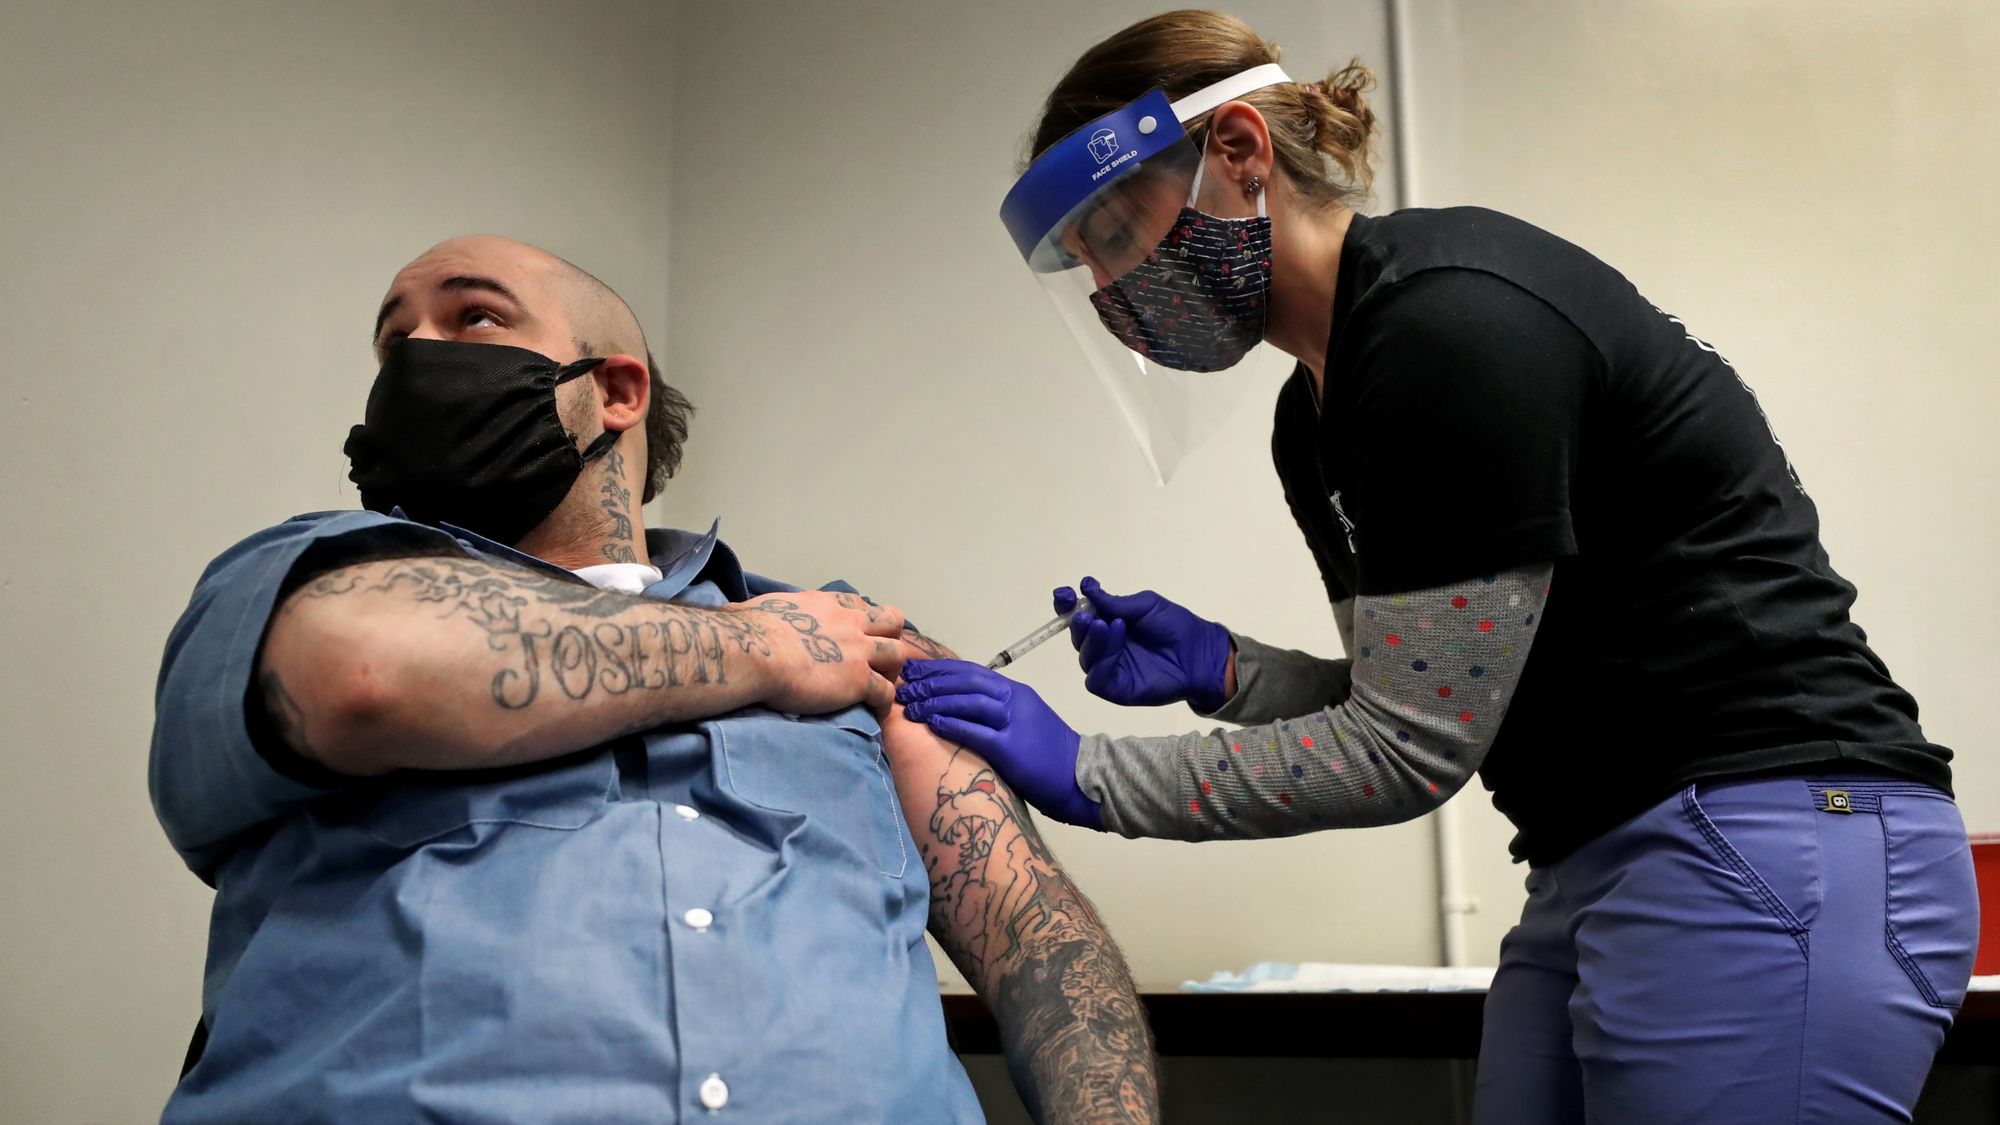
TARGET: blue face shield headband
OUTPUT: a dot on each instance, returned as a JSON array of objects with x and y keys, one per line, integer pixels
[{"x": 1152, "y": 287}]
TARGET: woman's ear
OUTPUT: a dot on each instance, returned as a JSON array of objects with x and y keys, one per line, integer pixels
[
  {"x": 623, "y": 391},
  {"x": 1238, "y": 133}
]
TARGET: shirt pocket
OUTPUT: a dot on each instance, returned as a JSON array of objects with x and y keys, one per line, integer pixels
[
  {"x": 416, "y": 808},
  {"x": 827, "y": 768},
  {"x": 1932, "y": 907}
]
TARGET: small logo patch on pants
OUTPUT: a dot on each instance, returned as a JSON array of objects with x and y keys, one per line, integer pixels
[{"x": 1838, "y": 801}]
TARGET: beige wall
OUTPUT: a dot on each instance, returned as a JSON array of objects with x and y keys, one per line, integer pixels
[
  {"x": 200, "y": 206},
  {"x": 1810, "y": 186}
]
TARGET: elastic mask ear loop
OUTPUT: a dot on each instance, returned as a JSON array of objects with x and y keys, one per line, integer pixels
[
  {"x": 1194, "y": 192},
  {"x": 601, "y": 445},
  {"x": 570, "y": 371}
]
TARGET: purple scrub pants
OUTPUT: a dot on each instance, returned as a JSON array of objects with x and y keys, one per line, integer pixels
[{"x": 1744, "y": 951}]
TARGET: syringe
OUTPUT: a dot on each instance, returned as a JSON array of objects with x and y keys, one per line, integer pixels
[{"x": 1028, "y": 644}]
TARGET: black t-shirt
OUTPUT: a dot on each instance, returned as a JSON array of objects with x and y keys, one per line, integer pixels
[{"x": 1497, "y": 397}]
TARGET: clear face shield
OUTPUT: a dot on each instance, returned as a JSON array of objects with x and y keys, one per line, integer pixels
[{"x": 1167, "y": 302}]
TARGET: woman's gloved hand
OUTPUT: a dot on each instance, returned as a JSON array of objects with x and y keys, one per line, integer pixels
[
  {"x": 1142, "y": 650},
  {"x": 1006, "y": 723}
]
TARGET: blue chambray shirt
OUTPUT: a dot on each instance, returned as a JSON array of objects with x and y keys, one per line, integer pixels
[{"x": 717, "y": 920}]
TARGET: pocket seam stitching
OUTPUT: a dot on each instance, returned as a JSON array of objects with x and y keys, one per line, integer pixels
[
  {"x": 1896, "y": 949},
  {"x": 881, "y": 771},
  {"x": 889, "y": 789},
  {"x": 467, "y": 823},
  {"x": 1911, "y": 969},
  {"x": 1734, "y": 859},
  {"x": 603, "y": 798}
]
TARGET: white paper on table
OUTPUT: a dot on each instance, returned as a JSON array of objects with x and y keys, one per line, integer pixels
[{"x": 1321, "y": 976}]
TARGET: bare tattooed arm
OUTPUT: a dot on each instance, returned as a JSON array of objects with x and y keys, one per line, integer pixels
[
  {"x": 455, "y": 663},
  {"x": 1073, "y": 1029}
]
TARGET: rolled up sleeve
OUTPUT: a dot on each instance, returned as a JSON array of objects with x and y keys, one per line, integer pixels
[
  {"x": 1280, "y": 683},
  {"x": 211, "y": 778}
]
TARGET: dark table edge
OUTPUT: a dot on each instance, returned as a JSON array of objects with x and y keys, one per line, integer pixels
[{"x": 1403, "y": 1025}]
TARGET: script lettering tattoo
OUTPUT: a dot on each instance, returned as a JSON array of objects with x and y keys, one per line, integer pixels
[
  {"x": 745, "y": 634},
  {"x": 929, "y": 646},
  {"x": 819, "y": 646},
  {"x": 862, "y": 605},
  {"x": 554, "y": 632},
  {"x": 1074, "y": 1033},
  {"x": 617, "y": 504}
]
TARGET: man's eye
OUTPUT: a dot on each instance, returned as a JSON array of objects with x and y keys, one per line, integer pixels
[{"x": 480, "y": 318}]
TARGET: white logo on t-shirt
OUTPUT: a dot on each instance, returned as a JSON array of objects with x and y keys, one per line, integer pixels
[
  {"x": 1346, "y": 525},
  {"x": 1768, "y": 428}
]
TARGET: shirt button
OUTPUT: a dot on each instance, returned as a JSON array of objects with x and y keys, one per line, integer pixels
[
  {"x": 714, "y": 1092},
  {"x": 687, "y": 812},
  {"x": 698, "y": 918}
]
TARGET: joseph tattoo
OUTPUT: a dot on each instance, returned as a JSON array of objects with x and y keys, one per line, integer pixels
[
  {"x": 1074, "y": 1033},
  {"x": 560, "y": 635},
  {"x": 617, "y": 504}
]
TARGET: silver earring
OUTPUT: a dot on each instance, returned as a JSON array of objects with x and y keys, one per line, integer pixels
[{"x": 1252, "y": 186}]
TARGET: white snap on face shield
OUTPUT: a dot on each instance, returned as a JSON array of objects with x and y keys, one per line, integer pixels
[{"x": 1167, "y": 301}]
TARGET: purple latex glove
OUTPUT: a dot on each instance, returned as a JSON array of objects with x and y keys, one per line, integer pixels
[
  {"x": 1006, "y": 723},
  {"x": 1142, "y": 650}
]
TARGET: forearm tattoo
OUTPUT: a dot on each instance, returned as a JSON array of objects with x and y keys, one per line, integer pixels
[
  {"x": 929, "y": 646},
  {"x": 1074, "y": 1033},
  {"x": 617, "y": 504},
  {"x": 286, "y": 717},
  {"x": 570, "y": 640}
]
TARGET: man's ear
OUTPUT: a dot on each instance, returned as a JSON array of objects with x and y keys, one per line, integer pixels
[
  {"x": 623, "y": 390},
  {"x": 1239, "y": 134}
]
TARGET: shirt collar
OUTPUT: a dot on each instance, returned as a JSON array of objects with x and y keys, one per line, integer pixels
[
  {"x": 683, "y": 557},
  {"x": 473, "y": 541}
]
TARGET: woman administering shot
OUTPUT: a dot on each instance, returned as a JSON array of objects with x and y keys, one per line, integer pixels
[{"x": 1564, "y": 551}]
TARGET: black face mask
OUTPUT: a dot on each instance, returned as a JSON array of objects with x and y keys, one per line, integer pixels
[{"x": 468, "y": 434}]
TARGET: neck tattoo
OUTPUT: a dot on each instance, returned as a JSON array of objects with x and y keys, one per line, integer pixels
[{"x": 617, "y": 504}]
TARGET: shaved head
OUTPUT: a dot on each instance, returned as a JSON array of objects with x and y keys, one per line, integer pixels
[
  {"x": 598, "y": 317},
  {"x": 539, "y": 301}
]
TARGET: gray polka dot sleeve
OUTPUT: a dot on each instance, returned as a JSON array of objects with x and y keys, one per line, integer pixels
[
  {"x": 1279, "y": 683},
  {"x": 1384, "y": 739}
]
